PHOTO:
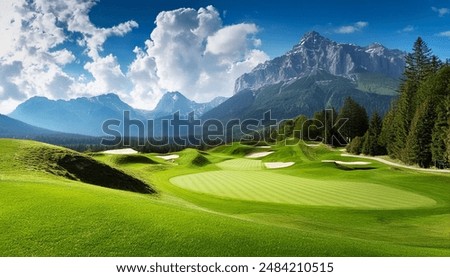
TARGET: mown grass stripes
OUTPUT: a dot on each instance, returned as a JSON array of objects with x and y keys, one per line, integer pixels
[
  {"x": 278, "y": 188},
  {"x": 241, "y": 164}
]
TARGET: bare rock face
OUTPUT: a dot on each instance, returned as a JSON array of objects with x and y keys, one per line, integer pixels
[
  {"x": 316, "y": 53},
  {"x": 172, "y": 102}
]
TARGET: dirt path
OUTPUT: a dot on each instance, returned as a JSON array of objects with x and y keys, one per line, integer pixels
[{"x": 382, "y": 160}]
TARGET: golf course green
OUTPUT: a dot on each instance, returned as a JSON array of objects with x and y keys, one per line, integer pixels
[
  {"x": 57, "y": 202},
  {"x": 278, "y": 188}
]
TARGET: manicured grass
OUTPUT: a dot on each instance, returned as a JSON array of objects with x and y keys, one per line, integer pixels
[
  {"x": 277, "y": 188},
  {"x": 377, "y": 212},
  {"x": 241, "y": 164}
]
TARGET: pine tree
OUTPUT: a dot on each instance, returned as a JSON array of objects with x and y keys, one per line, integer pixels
[
  {"x": 441, "y": 127},
  {"x": 418, "y": 67},
  {"x": 447, "y": 143},
  {"x": 418, "y": 145},
  {"x": 299, "y": 127},
  {"x": 401, "y": 122},
  {"x": 327, "y": 119},
  {"x": 436, "y": 64},
  {"x": 372, "y": 145},
  {"x": 285, "y": 129},
  {"x": 355, "y": 146},
  {"x": 419, "y": 62},
  {"x": 357, "y": 122},
  {"x": 387, "y": 135},
  {"x": 439, "y": 88}
]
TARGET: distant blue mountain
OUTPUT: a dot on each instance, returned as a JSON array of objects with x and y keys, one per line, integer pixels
[
  {"x": 12, "y": 128},
  {"x": 86, "y": 115},
  {"x": 81, "y": 116},
  {"x": 173, "y": 102}
]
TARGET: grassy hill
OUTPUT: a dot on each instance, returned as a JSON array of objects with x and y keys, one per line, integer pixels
[
  {"x": 32, "y": 158},
  {"x": 219, "y": 203}
]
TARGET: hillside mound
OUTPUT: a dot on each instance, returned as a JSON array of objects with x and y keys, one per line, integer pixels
[
  {"x": 75, "y": 166},
  {"x": 193, "y": 158},
  {"x": 236, "y": 149},
  {"x": 132, "y": 159}
]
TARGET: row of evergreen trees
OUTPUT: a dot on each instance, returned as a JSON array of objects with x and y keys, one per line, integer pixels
[
  {"x": 350, "y": 124},
  {"x": 415, "y": 130}
]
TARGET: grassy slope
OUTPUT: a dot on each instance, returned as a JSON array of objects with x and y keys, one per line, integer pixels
[
  {"x": 278, "y": 188},
  {"x": 46, "y": 215}
]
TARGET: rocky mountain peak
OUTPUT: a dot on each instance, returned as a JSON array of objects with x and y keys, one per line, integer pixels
[
  {"x": 316, "y": 53},
  {"x": 175, "y": 101},
  {"x": 312, "y": 40}
]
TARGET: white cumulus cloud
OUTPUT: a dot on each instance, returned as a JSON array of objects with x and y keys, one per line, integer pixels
[
  {"x": 441, "y": 11},
  {"x": 189, "y": 50},
  {"x": 444, "y": 34},
  {"x": 108, "y": 76},
  {"x": 349, "y": 29},
  {"x": 230, "y": 40},
  {"x": 192, "y": 52},
  {"x": 407, "y": 29},
  {"x": 30, "y": 61}
]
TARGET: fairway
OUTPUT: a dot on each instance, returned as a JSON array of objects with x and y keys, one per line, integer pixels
[
  {"x": 264, "y": 186},
  {"x": 215, "y": 203},
  {"x": 241, "y": 164}
]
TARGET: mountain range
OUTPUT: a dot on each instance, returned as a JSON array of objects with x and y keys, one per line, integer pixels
[
  {"x": 315, "y": 54},
  {"x": 317, "y": 73},
  {"x": 86, "y": 115},
  {"x": 12, "y": 128},
  {"x": 172, "y": 102}
]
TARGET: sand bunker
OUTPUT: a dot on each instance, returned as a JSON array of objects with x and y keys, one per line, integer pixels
[
  {"x": 346, "y": 163},
  {"x": 263, "y": 147},
  {"x": 312, "y": 145},
  {"x": 278, "y": 165},
  {"x": 169, "y": 157},
  {"x": 259, "y": 154},
  {"x": 126, "y": 151}
]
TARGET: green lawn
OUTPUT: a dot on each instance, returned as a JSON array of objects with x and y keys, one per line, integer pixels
[
  {"x": 309, "y": 209},
  {"x": 240, "y": 164},
  {"x": 278, "y": 188}
]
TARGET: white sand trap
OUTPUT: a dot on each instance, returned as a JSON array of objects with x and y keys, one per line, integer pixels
[
  {"x": 169, "y": 157},
  {"x": 263, "y": 147},
  {"x": 328, "y": 161},
  {"x": 278, "y": 165},
  {"x": 346, "y": 163},
  {"x": 126, "y": 151},
  {"x": 353, "y": 163},
  {"x": 259, "y": 154},
  {"x": 312, "y": 145}
]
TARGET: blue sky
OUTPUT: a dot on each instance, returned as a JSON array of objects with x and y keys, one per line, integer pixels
[
  {"x": 395, "y": 24},
  {"x": 139, "y": 49}
]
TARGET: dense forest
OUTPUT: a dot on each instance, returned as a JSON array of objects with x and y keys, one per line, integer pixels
[{"x": 415, "y": 130}]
